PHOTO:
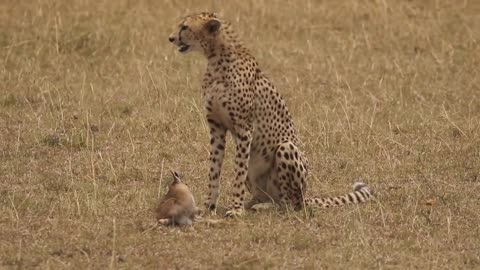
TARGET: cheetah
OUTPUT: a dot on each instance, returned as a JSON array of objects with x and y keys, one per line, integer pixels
[{"x": 240, "y": 99}]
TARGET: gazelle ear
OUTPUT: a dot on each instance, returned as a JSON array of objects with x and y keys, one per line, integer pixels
[
  {"x": 213, "y": 25},
  {"x": 176, "y": 177}
]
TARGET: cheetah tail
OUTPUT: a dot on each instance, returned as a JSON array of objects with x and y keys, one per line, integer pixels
[{"x": 361, "y": 193}]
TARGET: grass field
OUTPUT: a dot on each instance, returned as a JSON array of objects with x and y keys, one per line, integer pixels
[{"x": 96, "y": 107}]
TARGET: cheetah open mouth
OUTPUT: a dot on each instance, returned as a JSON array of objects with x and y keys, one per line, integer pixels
[{"x": 183, "y": 47}]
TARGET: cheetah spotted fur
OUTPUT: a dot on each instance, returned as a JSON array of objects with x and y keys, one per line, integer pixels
[{"x": 239, "y": 98}]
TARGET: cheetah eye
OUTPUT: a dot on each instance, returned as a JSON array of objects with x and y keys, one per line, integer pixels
[{"x": 183, "y": 27}]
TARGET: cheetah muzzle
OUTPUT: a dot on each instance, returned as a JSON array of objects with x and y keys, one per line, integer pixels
[{"x": 183, "y": 47}]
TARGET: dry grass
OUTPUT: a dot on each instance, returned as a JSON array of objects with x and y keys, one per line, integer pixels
[{"x": 95, "y": 106}]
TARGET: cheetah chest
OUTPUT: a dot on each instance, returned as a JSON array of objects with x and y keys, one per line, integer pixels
[{"x": 216, "y": 102}]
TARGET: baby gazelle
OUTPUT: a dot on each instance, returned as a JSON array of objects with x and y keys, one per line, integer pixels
[{"x": 177, "y": 207}]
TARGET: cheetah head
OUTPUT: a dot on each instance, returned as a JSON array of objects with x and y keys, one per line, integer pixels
[{"x": 195, "y": 32}]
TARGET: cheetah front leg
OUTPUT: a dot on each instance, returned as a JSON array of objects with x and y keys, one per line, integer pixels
[
  {"x": 243, "y": 142},
  {"x": 217, "y": 152}
]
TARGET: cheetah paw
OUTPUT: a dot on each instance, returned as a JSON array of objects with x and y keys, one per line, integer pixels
[
  {"x": 262, "y": 206},
  {"x": 236, "y": 212},
  {"x": 207, "y": 208}
]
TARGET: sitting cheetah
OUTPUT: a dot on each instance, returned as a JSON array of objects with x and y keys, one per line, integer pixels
[{"x": 239, "y": 98}]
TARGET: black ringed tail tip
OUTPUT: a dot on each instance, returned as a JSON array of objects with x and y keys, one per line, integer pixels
[{"x": 361, "y": 194}]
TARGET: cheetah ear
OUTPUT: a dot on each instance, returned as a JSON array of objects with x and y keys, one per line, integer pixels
[
  {"x": 213, "y": 25},
  {"x": 176, "y": 177}
]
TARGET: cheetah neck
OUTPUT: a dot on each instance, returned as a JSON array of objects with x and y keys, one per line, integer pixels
[{"x": 226, "y": 45}]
